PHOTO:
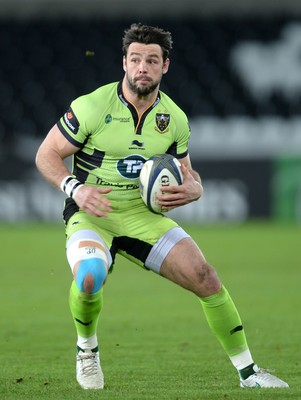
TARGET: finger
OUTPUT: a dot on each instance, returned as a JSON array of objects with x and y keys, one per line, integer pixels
[
  {"x": 102, "y": 202},
  {"x": 171, "y": 196},
  {"x": 176, "y": 203},
  {"x": 173, "y": 203},
  {"x": 185, "y": 171},
  {"x": 105, "y": 206},
  {"x": 171, "y": 189},
  {"x": 104, "y": 190},
  {"x": 96, "y": 211},
  {"x": 98, "y": 200}
]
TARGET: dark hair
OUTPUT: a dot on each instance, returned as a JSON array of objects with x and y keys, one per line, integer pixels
[{"x": 147, "y": 35}]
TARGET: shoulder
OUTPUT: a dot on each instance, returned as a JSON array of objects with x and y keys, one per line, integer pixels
[
  {"x": 91, "y": 101},
  {"x": 86, "y": 111},
  {"x": 178, "y": 117},
  {"x": 173, "y": 108}
]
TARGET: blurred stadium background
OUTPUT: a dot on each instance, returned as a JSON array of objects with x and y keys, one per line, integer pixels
[{"x": 236, "y": 71}]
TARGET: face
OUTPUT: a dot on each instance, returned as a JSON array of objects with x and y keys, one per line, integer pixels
[{"x": 144, "y": 67}]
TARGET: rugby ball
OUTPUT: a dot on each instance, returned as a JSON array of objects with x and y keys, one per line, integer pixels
[{"x": 159, "y": 170}]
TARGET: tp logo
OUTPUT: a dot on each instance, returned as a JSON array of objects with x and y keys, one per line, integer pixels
[{"x": 130, "y": 167}]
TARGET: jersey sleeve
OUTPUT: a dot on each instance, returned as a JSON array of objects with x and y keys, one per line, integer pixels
[
  {"x": 179, "y": 148},
  {"x": 73, "y": 124},
  {"x": 182, "y": 148}
]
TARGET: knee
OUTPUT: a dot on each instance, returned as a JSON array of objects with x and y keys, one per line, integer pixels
[
  {"x": 90, "y": 275},
  {"x": 208, "y": 280},
  {"x": 89, "y": 261}
]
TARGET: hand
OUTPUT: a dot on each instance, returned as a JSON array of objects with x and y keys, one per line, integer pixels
[
  {"x": 176, "y": 196},
  {"x": 92, "y": 200}
]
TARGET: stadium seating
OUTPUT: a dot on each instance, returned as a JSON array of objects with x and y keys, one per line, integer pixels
[{"x": 45, "y": 64}]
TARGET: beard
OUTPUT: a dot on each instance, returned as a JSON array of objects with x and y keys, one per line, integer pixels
[{"x": 142, "y": 90}]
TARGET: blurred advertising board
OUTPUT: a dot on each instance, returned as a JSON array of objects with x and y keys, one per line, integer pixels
[{"x": 286, "y": 189}]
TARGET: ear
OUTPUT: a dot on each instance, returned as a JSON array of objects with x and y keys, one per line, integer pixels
[
  {"x": 124, "y": 63},
  {"x": 166, "y": 66}
]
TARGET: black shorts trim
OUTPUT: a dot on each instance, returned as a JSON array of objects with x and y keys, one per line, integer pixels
[{"x": 133, "y": 247}]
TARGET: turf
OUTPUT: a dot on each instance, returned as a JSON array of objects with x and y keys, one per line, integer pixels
[{"x": 155, "y": 343}]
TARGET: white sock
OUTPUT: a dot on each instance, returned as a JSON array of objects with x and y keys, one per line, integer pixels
[
  {"x": 87, "y": 343},
  {"x": 242, "y": 360}
]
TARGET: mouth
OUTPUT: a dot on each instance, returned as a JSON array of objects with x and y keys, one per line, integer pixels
[{"x": 143, "y": 80}]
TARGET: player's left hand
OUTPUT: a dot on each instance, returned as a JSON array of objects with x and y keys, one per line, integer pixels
[{"x": 176, "y": 196}]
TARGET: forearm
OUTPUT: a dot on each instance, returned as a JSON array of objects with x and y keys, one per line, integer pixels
[
  {"x": 51, "y": 166},
  {"x": 198, "y": 185},
  {"x": 196, "y": 175}
]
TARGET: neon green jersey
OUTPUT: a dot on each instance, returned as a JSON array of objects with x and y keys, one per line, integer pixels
[{"x": 114, "y": 142}]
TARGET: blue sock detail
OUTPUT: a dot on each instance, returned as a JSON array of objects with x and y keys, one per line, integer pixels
[{"x": 94, "y": 266}]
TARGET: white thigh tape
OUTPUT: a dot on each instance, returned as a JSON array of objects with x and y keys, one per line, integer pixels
[{"x": 77, "y": 252}]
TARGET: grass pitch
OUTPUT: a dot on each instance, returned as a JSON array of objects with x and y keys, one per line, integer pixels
[{"x": 155, "y": 343}]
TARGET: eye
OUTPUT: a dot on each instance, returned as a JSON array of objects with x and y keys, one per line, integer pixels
[{"x": 153, "y": 61}]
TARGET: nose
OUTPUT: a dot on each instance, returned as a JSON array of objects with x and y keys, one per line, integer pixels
[{"x": 142, "y": 67}]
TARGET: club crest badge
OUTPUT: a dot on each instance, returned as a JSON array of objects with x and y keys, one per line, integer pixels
[{"x": 162, "y": 122}]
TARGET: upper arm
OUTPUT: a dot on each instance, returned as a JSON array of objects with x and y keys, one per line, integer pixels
[{"x": 56, "y": 142}]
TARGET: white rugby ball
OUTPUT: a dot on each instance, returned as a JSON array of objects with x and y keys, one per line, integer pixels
[{"x": 159, "y": 170}]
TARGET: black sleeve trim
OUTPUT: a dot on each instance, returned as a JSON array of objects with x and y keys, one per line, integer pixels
[
  {"x": 172, "y": 150},
  {"x": 67, "y": 136},
  {"x": 182, "y": 155}
]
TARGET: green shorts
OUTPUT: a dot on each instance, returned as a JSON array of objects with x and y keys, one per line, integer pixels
[{"x": 130, "y": 230}]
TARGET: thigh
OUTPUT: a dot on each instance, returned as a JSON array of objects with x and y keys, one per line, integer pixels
[
  {"x": 131, "y": 231},
  {"x": 186, "y": 266},
  {"x": 147, "y": 239},
  {"x": 81, "y": 221}
]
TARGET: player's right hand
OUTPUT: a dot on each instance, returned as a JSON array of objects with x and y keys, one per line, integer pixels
[{"x": 92, "y": 200}]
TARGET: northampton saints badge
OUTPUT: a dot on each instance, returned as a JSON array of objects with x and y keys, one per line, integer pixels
[{"x": 162, "y": 122}]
